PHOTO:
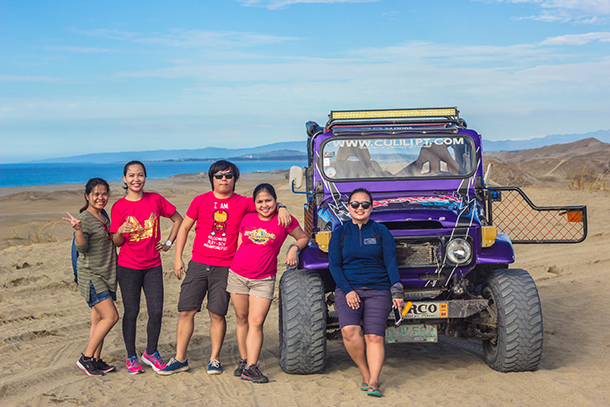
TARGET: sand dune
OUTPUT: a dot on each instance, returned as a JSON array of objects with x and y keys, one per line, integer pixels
[
  {"x": 584, "y": 163},
  {"x": 44, "y": 327}
]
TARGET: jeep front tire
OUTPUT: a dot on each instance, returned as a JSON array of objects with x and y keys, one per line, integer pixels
[
  {"x": 515, "y": 307},
  {"x": 302, "y": 320}
]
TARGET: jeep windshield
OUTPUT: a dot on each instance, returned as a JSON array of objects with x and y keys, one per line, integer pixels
[{"x": 429, "y": 156}]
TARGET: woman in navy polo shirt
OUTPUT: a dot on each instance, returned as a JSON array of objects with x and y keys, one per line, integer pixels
[{"x": 362, "y": 258}]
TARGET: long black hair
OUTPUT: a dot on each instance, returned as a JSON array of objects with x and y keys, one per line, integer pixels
[{"x": 92, "y": 183}]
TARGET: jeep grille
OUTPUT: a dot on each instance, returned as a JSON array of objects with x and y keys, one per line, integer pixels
[{"x": 417, "y": 254}]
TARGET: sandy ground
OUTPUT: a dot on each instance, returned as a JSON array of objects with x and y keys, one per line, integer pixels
[{"x": 45, "y": 323}]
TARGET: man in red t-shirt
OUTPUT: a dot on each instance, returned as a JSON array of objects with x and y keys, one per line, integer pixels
[{"x": 218, "y": 214}]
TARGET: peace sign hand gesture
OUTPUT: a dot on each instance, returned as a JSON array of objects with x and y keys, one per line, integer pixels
[{"x": 76, "y": 224}]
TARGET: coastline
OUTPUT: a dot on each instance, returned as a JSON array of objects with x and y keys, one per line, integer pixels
[
  {"x": 26, "y": 211},
  {"x": 69, "y": 173},
  {"x": 45, "y": 325}
]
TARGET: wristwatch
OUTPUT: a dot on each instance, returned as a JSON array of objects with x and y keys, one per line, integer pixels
[
  {"x": 281, "y": 206},
  {"x": 168, "y": 243}
]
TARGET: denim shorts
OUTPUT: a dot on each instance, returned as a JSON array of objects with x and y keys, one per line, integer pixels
[{"x": 95, "y": 298}]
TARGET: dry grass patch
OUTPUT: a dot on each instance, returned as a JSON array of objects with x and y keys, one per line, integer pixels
[
  {"x": 45, "y": 234},
  {"x": 586, "y": 181}
]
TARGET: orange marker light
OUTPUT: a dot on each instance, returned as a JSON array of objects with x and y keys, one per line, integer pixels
[{"x": 574, "y": 216}]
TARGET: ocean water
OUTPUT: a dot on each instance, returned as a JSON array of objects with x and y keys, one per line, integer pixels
[{"x": 16, "y": 175}]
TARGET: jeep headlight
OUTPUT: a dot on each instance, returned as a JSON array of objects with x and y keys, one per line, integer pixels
[{"x": 459, "y": 251}]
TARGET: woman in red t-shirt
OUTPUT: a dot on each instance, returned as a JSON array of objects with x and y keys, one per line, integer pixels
[
  {"x": 251, "y": 280},
  {"x": 137, "y": 231}
]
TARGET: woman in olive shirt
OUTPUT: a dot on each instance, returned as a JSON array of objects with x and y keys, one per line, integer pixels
[{"x": 96, "y": 272}]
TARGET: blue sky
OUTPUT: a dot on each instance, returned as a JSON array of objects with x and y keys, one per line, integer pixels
[{"x": 79, "y": 77}]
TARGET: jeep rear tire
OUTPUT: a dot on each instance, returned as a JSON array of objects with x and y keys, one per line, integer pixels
[
  {"x": 515, "y": 305},
  {"x": 302, "y": 319}
]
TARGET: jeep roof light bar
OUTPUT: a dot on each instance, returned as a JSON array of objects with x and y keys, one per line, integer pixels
[{"x": 445, "y": 114}]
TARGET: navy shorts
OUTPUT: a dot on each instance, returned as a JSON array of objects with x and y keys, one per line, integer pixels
[
  {"x": 95, "y": 298},
  {"x": 375, "y": 307}
]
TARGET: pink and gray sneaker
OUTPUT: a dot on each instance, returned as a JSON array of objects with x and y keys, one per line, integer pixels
[
  {"x": 153, "y": 360},
  {"x": 133, "y": 366}
]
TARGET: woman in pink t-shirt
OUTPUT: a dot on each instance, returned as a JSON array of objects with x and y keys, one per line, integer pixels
[
  {"x": 136, "y": 230},
  {"x": 251, "y": 280}
]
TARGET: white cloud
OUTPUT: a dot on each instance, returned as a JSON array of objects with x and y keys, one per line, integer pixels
[
  {"x": 577, "y": 39},
  {"x": 449, "y": 54},
  {"x": 15, "y": 78},
  {"x": 107, "y": 33},
  {"x": 581, "y": 11},
  {"x": 78, "y": 50},
  {"x": 542, "y": 88},
  {"x": 192, "y": 38},
  {"x": 278, "y": 4},
  {"x": 416, "y": 71},
  {"x": 212, "y": 39}
]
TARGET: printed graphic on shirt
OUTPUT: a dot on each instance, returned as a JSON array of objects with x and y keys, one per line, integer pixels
[
  {"x": 216, "y": 243},
  {"x": 259, "y": 236},
  {"x": 140, "y": 233},
  {"x": 219, "y": 225},
  {"x": 370, "y": 240}
]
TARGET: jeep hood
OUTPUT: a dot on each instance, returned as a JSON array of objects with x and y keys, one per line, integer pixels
[{"x": 449, "y": 211}]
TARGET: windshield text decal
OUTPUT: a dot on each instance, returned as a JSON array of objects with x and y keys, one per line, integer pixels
[{"x": 398, "y": 143}]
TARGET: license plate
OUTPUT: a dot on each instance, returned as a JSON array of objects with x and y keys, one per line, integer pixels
[
  {"x": 429, "y": 310},
  {"x": 411, "y": 333}
]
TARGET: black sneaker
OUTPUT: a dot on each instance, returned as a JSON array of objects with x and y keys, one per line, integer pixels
[
  {"x": 103, "y": 366},
  {"x": 254, "y": 374},
  {"x": 88, "y": 365},
  {"x": 240, "y": 367}
]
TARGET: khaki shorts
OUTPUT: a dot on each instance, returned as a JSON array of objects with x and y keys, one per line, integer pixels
[{"x": 263, "y": 288}]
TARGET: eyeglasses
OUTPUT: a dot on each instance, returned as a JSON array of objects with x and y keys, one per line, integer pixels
[
  {"x": 355, "y": 204},
  {"x": 227, "y": 175}
]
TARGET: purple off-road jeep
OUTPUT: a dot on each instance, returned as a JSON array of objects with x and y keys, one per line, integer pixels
[{"x": 454, "y": 236}]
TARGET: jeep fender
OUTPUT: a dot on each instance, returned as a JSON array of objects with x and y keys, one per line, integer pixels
[{"x": 501, "y": 252}]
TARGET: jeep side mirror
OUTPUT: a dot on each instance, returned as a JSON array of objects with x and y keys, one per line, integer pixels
[
  {"x": 296, "y": 177},
  {"x": 486, "y": 177}
]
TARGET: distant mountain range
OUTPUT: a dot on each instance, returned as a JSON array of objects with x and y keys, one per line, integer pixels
[
  {"x": 292, "y": 150},
  {"x": 275, "y": 155},
  {"x": 208, "y": 153}
]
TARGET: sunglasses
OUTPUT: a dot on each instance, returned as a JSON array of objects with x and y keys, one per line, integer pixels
[
  {"x": 227, "y": 175},
  {"x": 107, "y": 231},
  {"x": 355, "y": 204}
]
